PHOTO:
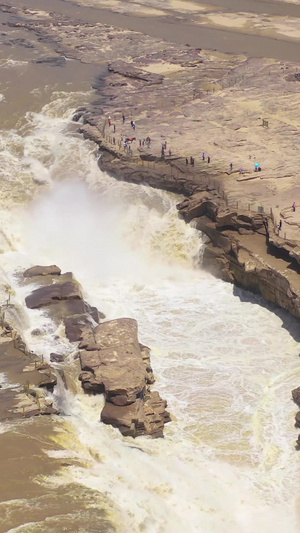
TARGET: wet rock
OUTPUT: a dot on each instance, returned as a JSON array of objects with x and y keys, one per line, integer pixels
[
  {"x": 76, "y": 325},
  {"x": 115, "y": 364},
  {"x": 51, "y": 294},
  {"x": 37, "y": 332},
  {"x": 56, "y": 61},
  {"x": 297, "y": 420},
  {"x": 56, "y": 358},
  {"x": 140, "y": 418},
  {"x": 115, "y": 360},
  {"x": 39, "y": 270},
  {"x": 296, "y": 396}
]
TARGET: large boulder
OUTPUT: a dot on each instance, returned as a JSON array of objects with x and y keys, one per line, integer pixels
[
  {"x": 39, "y": 270},
  {"x": 76, "y": 326},
  {"x": 115, "y": 364},
  {"x": 115, "y": 361},
  {"x": 51, "y": 294},
  {"x": 296, "y": 396},
  {"x": 145, "y": 416}
]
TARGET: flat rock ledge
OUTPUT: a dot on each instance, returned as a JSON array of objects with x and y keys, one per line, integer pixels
[{"x": 113, "y": 362}]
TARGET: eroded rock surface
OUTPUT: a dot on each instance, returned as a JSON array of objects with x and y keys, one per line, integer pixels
[
  {"x": 39, "y": 270},
  {"x": 30, "y": 379},
  {"x": 50, "y": 294},
  {"x": 115, "y": 364},
  {"x": 112, "y": 360}
]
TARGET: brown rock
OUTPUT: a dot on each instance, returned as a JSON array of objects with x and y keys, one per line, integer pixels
[
  {"x": 296, "y": 396},
  {"x": 42, "y": 271},
  {"x": 76, "y": 325},
  {"x": 51, "y": 294},
  {"x": 297, "y": 420},
  {"x": 217, "y": 238},
  {"x": 56, "y": 358},
  {"x": 138, "y": 418},
  {"x": 129, "y": 71},
  {"x": 197, "y": 205},
  {"x": 245, "y": 231},
  {"x": 114, "y": 363}
]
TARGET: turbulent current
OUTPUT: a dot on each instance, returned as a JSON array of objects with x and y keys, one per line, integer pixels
[{"x": 222, "y": 359}]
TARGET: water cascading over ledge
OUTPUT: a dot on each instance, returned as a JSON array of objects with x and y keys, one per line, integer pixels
[{"x": 112, "y": 361}]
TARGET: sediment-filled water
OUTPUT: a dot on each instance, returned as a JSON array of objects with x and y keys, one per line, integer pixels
[{"x": 221, "y": 358}]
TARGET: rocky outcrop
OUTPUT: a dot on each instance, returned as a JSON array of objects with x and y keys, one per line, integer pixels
[
  {"x": 39, "y": 270},
  {"x": 231, "y": 255},
  {"x": 296, "y": 396},
  {"x": 115, "y": 364},
  {"x": 31, "y": 379},
  {"x": 64, "y": 297},
  {"x": 128, "y": 70},
  {"x": 50, "y": 294}
]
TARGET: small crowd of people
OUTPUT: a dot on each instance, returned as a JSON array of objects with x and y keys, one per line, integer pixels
[{"x": 147, "y": 142}]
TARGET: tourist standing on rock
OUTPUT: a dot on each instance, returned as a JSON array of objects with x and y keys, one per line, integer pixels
[
  {"x": 280, "y": 225},
  {"x": 123, "y": 118},
  {"x": 186, "y": 161},
  {"x": 208, "y": 159},
  {"x": 203, "y": 156},
  {"x": 294, "y": 206},
  {"x": 231, "y": 167}
]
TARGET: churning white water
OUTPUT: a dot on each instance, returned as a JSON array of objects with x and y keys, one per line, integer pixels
[{"x": 223, "y": 361}]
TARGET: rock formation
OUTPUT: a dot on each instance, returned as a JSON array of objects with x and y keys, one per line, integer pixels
[
  {"x": 42, "y": 271},
  {"x": 32, "y": 378},
  {"x": 112, "y": 361},
  {"x": 115, "y": 364}
]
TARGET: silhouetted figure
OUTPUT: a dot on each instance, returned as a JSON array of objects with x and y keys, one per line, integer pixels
[
  {"x": 208, "y": 159},
  {"x": 231, "y": 167},
  {"x": 186, "y": 161},
  {"x": 203, "y": 156},
  {"x": 123, "y": 118},
  {"x": 294, "y": 206},
  {"x": 280, "y": 225}
]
